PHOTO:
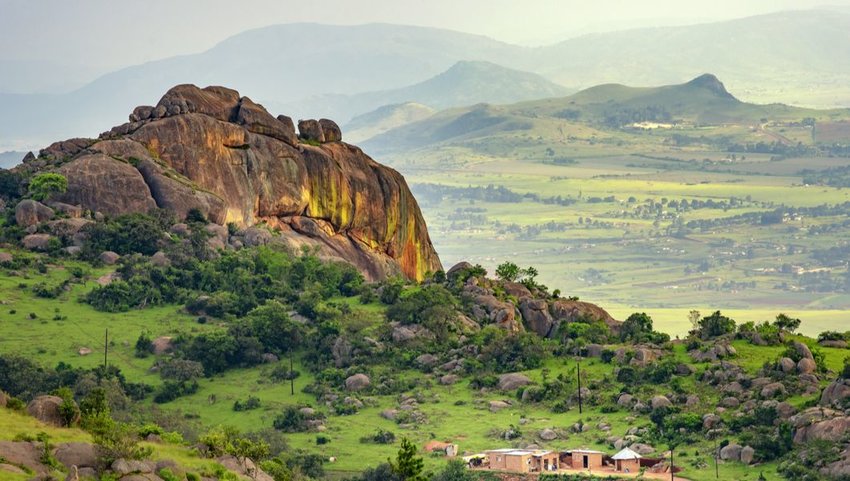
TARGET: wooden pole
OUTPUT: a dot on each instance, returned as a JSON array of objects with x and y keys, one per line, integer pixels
[
  {"x": 105, "y": 351},
  {"x": 291, "y": 375},
  {"x": 578, "y": 375}
]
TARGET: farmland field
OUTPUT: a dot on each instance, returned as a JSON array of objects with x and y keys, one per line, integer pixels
[{"x": 636, "y": 224}]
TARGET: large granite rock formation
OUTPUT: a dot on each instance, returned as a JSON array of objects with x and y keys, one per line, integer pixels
[{"x": 211, "y": 149}]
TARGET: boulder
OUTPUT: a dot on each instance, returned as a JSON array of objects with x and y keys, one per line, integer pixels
[
  {"x": 773, "y": 389},
  {"x": 835, "y": 394},
  {"x": 692, "y": 401},
  {"x": 23, "y": 454},
  {"x": 496, "y": 406},
  {"x": 730, "y": 402},
  {"x": 731, "y": 452},
  {"x": 256, "y": 119},
  {"x": 357, "y": 382},
  {"x": 5, "y": 257},
  {"x": 29, "y": 213},
  {"x": 84, "y": 351},
  {"x": 124, "y": 467},
  {"x": 806, "y": 366},
  {"x": 46, "y": 410},
  {"x": 829, "y": 429},
  {"x": 159, "y": 259},
  {"x": 180, "y": 229},
  {"x": 456, "y": 269},
  {"x": 67, "y": 228},
  {"x": 835, "y": 343},
  {"x": 660, "y": 402},
  {"x": 642, "y": 449},
  {"x": 37, "y": 242},
  {"x": 786, "y": 365},
  {"x": 512, "y": 381},
  {"x": 330, "y": 130},
  {"x": 535, "y": 312},
  {"x": 108, "y": 257},
  {"x": 594, "y": 350},
  {"x": 311, "y": 130},
  {"x": 802, "y": 350},
  {"x": 103, "y": 184},
  {"x": 747, "y": 455},
  {"x": 389, "y": 414},
  {"x": 70, "y": 211},
  {"x": 449, "y": 379},
  {"x": 81, "y": 455},
  {"x": 548, "y": 435},
  {"x": 256, "y": 236},
  {"x": 516, "y": 290}
]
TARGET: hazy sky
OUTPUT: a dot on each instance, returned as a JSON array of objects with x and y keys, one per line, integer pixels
[{"x": 113, "y": 33}]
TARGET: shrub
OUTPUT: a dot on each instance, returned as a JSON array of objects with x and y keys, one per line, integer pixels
[
  {"x": 379, "y": 437},
  {"x": 251, "y": 403},
  {"x": 44, "y": 185}
]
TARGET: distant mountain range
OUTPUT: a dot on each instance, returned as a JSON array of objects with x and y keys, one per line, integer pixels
[
  {"x": 313, "y": 70},
  {"x": 465, "y": 83},
  {"x": 701, "y": 101}
]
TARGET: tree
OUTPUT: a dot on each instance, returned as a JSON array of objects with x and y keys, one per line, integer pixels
[
  {"x": 636, "y": 327},
  {"x": 68, "y": 409},
  {"x": 715, "y": 325},
  {"x": 507, "y": 271},
  {"x": 454, "y": 471},
  {"x": 787, "y": 323},
  {"x": 694, "y": 317},
  {"x": 408, "y": 466},
  {"x": 144, "y": 345},
  {"x": 42, "y": 186},
  {"x": 272, "y": 325}
]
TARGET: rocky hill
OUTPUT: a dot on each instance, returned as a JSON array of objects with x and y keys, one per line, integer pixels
[{"x": 225, "y": 156}]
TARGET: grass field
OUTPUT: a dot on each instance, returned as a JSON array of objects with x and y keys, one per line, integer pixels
[{"x": 455, "y": 413}]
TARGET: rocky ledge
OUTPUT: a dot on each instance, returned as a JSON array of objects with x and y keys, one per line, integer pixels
[{"x": 212, "y": 150}]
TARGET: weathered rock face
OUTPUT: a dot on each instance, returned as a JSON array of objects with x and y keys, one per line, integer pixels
[{"x": 212, "y": 150}]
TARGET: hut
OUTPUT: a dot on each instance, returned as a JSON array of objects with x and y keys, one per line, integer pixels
[
  {"x": 522, "y": 460},
  {"x": 586, "y": 459},
  {"x": 627, "y": 461}
]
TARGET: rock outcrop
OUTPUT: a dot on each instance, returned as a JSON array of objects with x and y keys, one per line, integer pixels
[{"x": 212, "y": 150}]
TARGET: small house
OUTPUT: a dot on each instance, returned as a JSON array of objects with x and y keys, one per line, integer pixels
[
  {"x": 522, "y": 460},
  {"x": 586, "y": 459},
  {"x": 627, "y": 461}
]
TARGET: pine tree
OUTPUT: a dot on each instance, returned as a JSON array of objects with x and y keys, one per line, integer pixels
[{"x": 408, "y": 466}]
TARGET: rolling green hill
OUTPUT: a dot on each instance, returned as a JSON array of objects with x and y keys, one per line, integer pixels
[{"x": 703, "y": 101}]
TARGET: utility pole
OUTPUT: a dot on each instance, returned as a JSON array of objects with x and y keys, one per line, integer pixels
[
  {"x": 578, "y": 376},
  {"x": 716, "y": 467},
  {"x": 672, "y": 467},
  {"x": 105, "y": 350},
  {"x": 291, "y": 375}
]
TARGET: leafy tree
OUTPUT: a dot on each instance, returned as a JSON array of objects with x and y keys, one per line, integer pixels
[
  {"x": 408, "y": 466},
  {"x": 636, "y": 327},
  {"x": 42, "y": 186},
  {"x": 181, "y": 370},
  {"x": 715, "y": 325},
  {"x": 787, "y": 323},
  {"x": 291, "y": 420},
  {"x": 455, "y": 470},
  {"x": 272, "y": 325},
  {"x": 68, "y": 409},
  {"x": 119, "y": 442},
  {"x": 507, "y": 271}
]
